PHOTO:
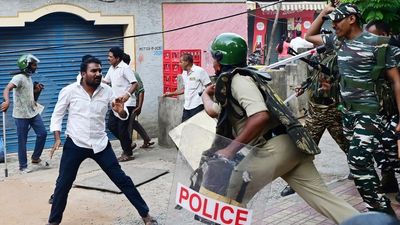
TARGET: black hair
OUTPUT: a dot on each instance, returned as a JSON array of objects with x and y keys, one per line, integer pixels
[
  {"x": 117, "y": 52},
  {"x": 298, "y": 33},
  {"x": 187, "y": 57},
  {"x": 85, "y": 64},
  {"x": 280, "y": 44},
  {"x": 380, "y": 25},
  {"x": 126, "y": 58},
  {"x": 85, "y": 57}
]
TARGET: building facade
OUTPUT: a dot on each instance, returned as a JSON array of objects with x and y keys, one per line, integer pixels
[{"x": 60, "y": 32}]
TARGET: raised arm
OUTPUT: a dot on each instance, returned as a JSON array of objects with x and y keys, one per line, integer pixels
[{"x": 313, "y": 34}]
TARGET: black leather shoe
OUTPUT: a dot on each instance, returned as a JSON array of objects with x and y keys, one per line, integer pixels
[
  {"x": 389, "y": 183},
  {"x": 287, "y": 191},
  {"x": 398, "y": 197}
]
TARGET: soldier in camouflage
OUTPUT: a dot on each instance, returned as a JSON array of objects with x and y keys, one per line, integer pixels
[
  {"x": 322, "y": 107},
  {"x": 391, "y": 163},
  {"x": 362, "y": 121}
]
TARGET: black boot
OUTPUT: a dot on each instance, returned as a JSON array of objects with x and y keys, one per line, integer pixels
[
  {"x": 287, "y": 191},
  {"x": 388, "y": 210},
  {"x": 389, "y": 183},
  {"x": 398, "y": 197}
]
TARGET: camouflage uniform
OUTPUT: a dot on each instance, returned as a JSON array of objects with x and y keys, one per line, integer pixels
[
  {"x": 322, "y": 111},
  {"x": 389, "y": 145},
  {"x": 321, "y": 117},
  {"x": 362, "y": 123},
  {"x": 389, "y": 142}
]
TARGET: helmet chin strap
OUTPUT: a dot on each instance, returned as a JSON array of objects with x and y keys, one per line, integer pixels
[{"x": 28, "y": 71}]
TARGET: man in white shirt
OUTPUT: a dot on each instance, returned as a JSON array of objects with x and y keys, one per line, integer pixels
[
  {"x": 124, "y": 84},
  {"x": 84, "y": 58},
  {"x": 195, "y": 79},
  {"x": 299, "y": 42},
  {"x": 87, "y": 104}
]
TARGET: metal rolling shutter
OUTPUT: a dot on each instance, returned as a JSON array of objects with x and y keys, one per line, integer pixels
[{"x": 57, "y": 67}]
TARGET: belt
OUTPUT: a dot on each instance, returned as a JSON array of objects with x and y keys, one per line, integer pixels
[
  {"x": 279, "y": 130},
  {"x": 323, "y": 101}
]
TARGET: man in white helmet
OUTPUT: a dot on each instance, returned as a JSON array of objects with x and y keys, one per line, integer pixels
[{"x": 25, "y": 109}]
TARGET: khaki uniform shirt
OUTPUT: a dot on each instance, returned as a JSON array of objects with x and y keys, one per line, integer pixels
[{"x": 245, "y": 91}]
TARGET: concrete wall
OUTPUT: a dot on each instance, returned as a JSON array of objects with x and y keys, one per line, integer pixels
[
  {"x": 283, "y": 83},
  {"x": 147, "y": 50}
]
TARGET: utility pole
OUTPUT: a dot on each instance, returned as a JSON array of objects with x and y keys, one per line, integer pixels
[{"x": 272, "y": 34}]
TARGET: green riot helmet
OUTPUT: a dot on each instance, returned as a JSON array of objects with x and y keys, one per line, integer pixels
[
  {"x": 24, "y": 60},
  {"x": 229, "y": 49}
]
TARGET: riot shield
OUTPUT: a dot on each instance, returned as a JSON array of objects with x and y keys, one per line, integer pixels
[{"x": 209, "y": 188}]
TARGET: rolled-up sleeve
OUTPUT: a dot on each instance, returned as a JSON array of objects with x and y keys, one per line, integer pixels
[
  {"x": 246, "y": 92},
  {"x": 59, "y": 110},
  {"x": 129, "y": 75}
]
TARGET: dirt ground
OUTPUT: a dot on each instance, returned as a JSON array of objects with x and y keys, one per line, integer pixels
[{"x": 23, "y": 198}]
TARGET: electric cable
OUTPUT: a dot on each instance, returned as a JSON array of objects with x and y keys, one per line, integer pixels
[{"x": 138, "y": 35}]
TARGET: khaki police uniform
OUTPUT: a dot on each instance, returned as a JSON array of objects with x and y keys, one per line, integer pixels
[{"x": 278, "y": 157}]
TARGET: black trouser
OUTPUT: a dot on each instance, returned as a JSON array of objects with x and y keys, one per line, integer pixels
[
  {"x": 135, "y": 125},
  {"x": 187, "y": 113},
  {"x": 119, "y": 128},
  {"x": 71, "y": 159}
]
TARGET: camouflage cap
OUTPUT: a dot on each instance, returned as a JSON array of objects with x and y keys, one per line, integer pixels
[{"x": 343, "y": 11}]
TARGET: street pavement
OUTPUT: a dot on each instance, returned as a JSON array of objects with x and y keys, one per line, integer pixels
[{"x": 23, "y": 197}]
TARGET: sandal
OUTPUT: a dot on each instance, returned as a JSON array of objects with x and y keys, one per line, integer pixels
[
  {"x": 148, "y": 144},
  {"x": 125, "y": 158},
  {"x": 149, "y": 220}
]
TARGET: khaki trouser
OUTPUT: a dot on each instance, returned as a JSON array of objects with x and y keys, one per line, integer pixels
[{"x": 279, "y": 158}]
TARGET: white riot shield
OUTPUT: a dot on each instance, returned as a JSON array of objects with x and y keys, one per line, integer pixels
[{"x": 209, "y": 188}]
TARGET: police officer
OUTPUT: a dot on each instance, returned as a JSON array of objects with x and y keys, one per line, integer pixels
[
  {"x": 362, "y": 121},
  {"x": 246, "y": 113}
]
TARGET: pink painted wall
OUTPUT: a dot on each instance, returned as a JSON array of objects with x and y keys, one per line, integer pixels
[{"x": 200, "y": 37}]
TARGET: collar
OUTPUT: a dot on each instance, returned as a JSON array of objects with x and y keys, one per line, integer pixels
[
  {"x": 191, "y": 69},
  {"x": 120, "y": 65}
]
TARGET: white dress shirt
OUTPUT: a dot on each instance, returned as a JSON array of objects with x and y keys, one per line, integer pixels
[
  {"x": 194, "y": 82},
  {"x": 121, "y": 78},
  {"x": 299, "y": 42},
  {"x": 86, "y": 115}
]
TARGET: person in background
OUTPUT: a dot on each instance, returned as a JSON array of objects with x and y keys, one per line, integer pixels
[
  {"x": 123, "y": 83},
  {"x": 195, "y": 79},
  {"x": 299, "y": 42},
  {"x": 139, "y": 94},
  {"x": 26, "y": 111},
  {"x": 390, "y": 163},
  {"x": 282, "y": 47}
]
